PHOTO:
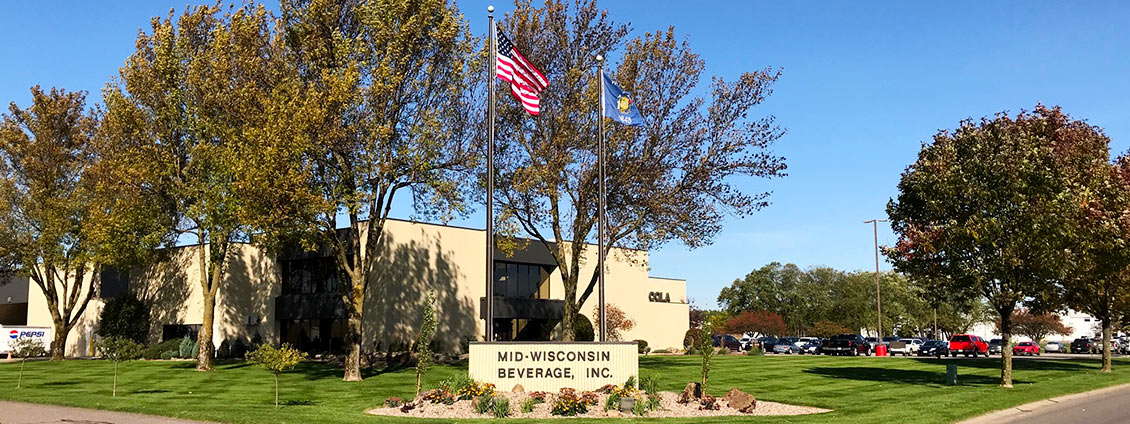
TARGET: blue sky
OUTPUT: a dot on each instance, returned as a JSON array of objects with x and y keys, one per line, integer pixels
[{"x": 863, "y": 85}]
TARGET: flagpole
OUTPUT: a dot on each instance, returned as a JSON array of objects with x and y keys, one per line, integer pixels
[
  {"x": 488, "y": 312},
  {"x": 600, "y": 214}
]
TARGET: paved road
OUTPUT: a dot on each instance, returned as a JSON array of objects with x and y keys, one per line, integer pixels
[
  {"x": 30, "y": 413},
  {"x": 1101, "y": 408}
]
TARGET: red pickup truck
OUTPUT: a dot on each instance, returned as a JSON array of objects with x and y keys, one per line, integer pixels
[{"x": 969, "y": 345}]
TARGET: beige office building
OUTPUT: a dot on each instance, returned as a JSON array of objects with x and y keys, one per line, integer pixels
[{"x": 291, "y": 297}]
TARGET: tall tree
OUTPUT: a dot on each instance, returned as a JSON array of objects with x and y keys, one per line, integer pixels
[
  {"x": 62, "y": 217},
  {"x": 206, "y": 111},
  {"x": 392, "y": 91},
  {"x": 979, "y": 211},
  {"x": 45, "y": 199},
  {"x": 672, "y": 179},
  {"x": 1099, "y": 249}
]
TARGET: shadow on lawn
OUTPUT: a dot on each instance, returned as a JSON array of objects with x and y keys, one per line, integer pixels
[
  {"x": 320, "y": 371},
  {"x": 1020, "y": 364},
  {"x": 917, "y": 377}
]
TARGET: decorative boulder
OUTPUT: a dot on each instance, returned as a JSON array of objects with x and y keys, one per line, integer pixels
[
  {"x": 518, "y": 389},
  {"x": 742, "y": 401},
  {"x": 691, "y": 393}
]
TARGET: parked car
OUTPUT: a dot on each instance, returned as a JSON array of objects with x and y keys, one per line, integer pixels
[
  {"x": 995, "y": 346},
  {"x": 936, "y": 348},
  {"x": 1026, "y": 348},
  {"x": 791, "y": 341},
  {"x": 767, "y": 343},
  {"x": 968, "y": 344},
  {"x": 873, "y": 342},
  {"x": 905, "y": 347},
  {"x": 746, "y": 342},
  {"x": 804, "y": 340},
  {"x": 846, "y": 344},
  {"x": 787, "y": 348},
  {"x": 1054, "y": 347},
  {"x": 890, "y": 339},
  {"x": 727, "y": 341},
  {"x": 812, "y": 347},
  {"x": 1084, "y": 345}
]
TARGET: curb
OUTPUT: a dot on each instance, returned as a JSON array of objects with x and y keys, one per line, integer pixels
[{"x": 1017, "y": 411}]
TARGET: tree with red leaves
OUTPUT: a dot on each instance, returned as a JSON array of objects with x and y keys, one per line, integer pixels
[
  {"x": 757, "y": 322},
  {"x": 982, "y": 211}
]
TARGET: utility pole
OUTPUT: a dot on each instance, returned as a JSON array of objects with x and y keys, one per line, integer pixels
[{"x": 878, "y": 300}]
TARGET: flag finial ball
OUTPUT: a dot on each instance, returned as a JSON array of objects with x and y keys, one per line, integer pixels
[
  {"x": 490, "y": 9},
  {"x": 599, "y": 58}
]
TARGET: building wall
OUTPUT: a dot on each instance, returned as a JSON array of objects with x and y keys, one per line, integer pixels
[{"x": 415, "y": 259}]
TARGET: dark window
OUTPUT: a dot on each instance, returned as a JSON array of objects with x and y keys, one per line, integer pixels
[
  {"x": 310, "y": 276},
  {"x": 520, "y": 280},
  {"x": 179, "y": 331},
  {"x": 112, "y": 283}
]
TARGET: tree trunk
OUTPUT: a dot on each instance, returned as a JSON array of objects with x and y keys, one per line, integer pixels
[
  {"x": 567, "y": 319},
  {"x": 115, "y": 394},
  {"x": 21, "y": 379},
  {"x": 1006, "y": 350},
  {"x": 1106, "y": 344},
  {"x": 276, "y": 390},
  {"x": 204, "y": 337},
  {"x": 353, "y": 332},
  {"x": 59, "y": 342}
]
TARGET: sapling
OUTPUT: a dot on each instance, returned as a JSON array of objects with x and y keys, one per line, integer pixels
[
  {"x": 424, "y": 342},
  {"x": 24, "y": 348},
  {"x": 276, "y": 360},
  {"x": 118, "y": 350}
]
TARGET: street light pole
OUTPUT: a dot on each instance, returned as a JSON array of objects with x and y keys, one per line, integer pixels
[{"x": 878, "y": 300}]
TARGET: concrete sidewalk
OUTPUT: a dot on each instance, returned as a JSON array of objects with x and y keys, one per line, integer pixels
[
  {"x": 33, "y": 413},
  {"x": 1094, "y": 407}
]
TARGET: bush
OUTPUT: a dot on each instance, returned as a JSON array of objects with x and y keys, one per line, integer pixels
[
  {"x": 393, "y": 402},
  {"x": 641, "y": 345},
  {"x": 754, "y": 351},
  {"x": 691, "y": 339},
  {"x": 649, "y": 384},
  {"x": 528, "y": 405},
  {"x": 157, "y": 351},
  {"x": 484, "y": 404},
  {"x": 661, "y": 351},
  {"x": 188, "y": 348},
  {"x": 582, "y": 329},
  {"x": 124, "y": 316},
  {"x": 168, "y": 354},
  {"x": 276, "y": 360},
  {"x": 501, "y": 408}
]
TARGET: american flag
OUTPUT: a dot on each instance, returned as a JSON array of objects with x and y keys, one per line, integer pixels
[{"x": 525, "y": 80}]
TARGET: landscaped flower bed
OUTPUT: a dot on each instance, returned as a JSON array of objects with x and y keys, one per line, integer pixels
[{"x": 465, "y": 398}]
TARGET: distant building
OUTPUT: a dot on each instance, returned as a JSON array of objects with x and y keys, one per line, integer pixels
[
  {"x": 293, "y": 297},
  {"x": 1082, "y": 325}
]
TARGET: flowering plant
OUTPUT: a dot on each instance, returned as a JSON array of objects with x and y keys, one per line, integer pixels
[
  {"x": 568, "y": 404},
  {"x": 540, "y": 396},
  {"x": 589, "y": 398},
  {"x": 474, "y": 389},
  {"x": 443, "y": 396}
]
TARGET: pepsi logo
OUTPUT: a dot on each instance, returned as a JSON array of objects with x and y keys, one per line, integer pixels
[{"x": 14, "y": 334}]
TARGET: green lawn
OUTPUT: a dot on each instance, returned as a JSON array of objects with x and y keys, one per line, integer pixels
[{"x": 859, "y": 390}]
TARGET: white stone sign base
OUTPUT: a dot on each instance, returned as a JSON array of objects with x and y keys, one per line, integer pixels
[{"x": 550, "y": 366}]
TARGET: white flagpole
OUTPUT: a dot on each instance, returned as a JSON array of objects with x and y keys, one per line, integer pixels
[
  {"x": 488, "y": 312},
  {"x": 600, "y": 214}
]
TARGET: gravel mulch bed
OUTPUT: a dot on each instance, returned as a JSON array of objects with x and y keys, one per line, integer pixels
[{"x": 669, "y": 408}]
